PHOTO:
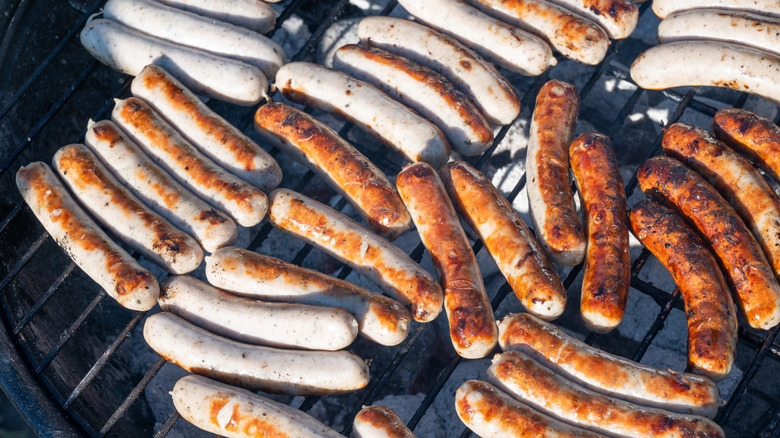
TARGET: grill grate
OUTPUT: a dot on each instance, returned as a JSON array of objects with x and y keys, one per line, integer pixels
[{"x": 51, "y": 404}]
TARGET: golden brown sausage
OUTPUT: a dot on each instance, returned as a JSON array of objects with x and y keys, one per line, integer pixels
[
  {"x": 755, "y": 136},
  {"x": 379, "y": 422}
]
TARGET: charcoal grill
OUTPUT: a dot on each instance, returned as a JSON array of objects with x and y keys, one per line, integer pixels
[{"x": 74, "y": 362}]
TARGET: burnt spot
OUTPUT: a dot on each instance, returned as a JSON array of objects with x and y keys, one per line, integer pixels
[
  {"x": 465, "y": 64},
  {"x": 106, "y": 132},
  {"x": 168, "y": 242},
  {"x": 212, "y": 216}
]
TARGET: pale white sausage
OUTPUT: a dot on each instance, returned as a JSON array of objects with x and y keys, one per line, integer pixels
[
  {"x": 662, "y": 8},
  {"x": 252, "y": 14}
]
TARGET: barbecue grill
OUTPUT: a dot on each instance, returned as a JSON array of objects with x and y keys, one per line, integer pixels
[{"x": 74, "y": 362}]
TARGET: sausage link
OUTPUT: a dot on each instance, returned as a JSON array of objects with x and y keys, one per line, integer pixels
[
  {"x": 507, "y": 238},
  {"x": 754, "y": 136},
  {"x": 618, "y": 17},
  {"x": 607, "y": 262},
  {"x": 472, "y": 325},
  {"x": 663, "y": 8},
  {"x": 757, "y": 290},
  {"x": 258, "y": 16},
  {"x": 379, "y": 422}
]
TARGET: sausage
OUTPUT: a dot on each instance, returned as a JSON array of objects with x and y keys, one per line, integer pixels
[
  {"x": 292, "y": 372},
  {"x": 189, "y": 29},
  {"x": 237, "y": 413},
  {"x": 88, "y": 246},
  {"x": 498, "y": 42},
  {"x": 509, "y": 241},
  {"x": 366, "y": 106},
  {"x": 483, "y": 84},
  {"x": 618, "y": 17},
  {"x": 136, "y": 171},
  {"x": 550, "y": 196},
  {"x": 473, "y": 328},
  {"x": 749, "y": 29},
  {"x": 740, "y": 68},
  {"x": 252, "y": 14},
  {"x": 735, "y": 178},
  {"x": 662, "y": 8},
  {"x": 348, "y": 171},
  {"x": 379, "y": 422},
  {"x": 366, "y": 252},
  {"x": 754, "y": 136},
  {"x": 284, "y": 325},
  {"x": 490, "y": 413},
  {"x": 249, "y": 274},
  {"x": 129, "y": 51},
  {"x": 746, "y": 267},
  {"x": 607, "y": 261},
  {"x": 244, "y": 203},
  {"x": 422, "y": 89},
  {"x": 575, "y": 37},
  {"x": 607, "y": 373},
  {"x": 542, "y": 389},
  {"x": 124, "y": 214},
  {"x": 712, "y": 320},
  {"x": 213, "y": 135}
]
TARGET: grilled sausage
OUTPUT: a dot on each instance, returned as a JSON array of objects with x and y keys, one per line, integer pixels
[
  {"x": 213, "y": 135},
  {"x": 366, "y": 252},
  {"x": 192, "y": 30},
  {"x": 575, "y": 37},
  {"x": 367, "y": 107},
  {"x": 752, "y": 135},
  {"x": 507, "y": 238},
  {"x": 740, "y": 68},
  {"x": 758, "y": 294},
  {"x": 292, "y": 372},
  {"x": 422, "y": 89},
  {"x": 379, "y": 422},
  {"x": 347, "y": 170},
  {"x": 735, "y": 178},
  {"x": 663, "y": 8},
  {"x": 550, "y": 197},
  {"x": 712, "y": 320},
  {"x": 480, "y": 80},
  {"x": 607, "y": 261},
  {"x": 129, "y": 51},
  {"x": 498, "y": 42},
  {"x": 491, "y": 413},
  {"x": 607, "y": 373},
  {"x": 252, "y": 14},
  {"x": 247, "y": 273},
  {"x": 617, "y": 17},
  {"x": 283, "y": 325},
  {"x": 136, "y": 171},
  {"x": 473, "y": 328},
  {"x": 237, "y": 413},
  {"x": 244, "y": 203},
  {"x": 124, "y": 214},
  {"x": 525, "y": 379},
  {"x": 91, "y": 249}
]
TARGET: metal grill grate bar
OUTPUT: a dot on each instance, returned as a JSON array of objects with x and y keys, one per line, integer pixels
[{"x": 134, "y": 394}]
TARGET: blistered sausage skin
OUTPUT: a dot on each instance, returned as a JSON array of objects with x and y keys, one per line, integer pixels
[
  {"x": 663, "y": 8},
  {"x": 479, "y": 79},
  {"x": 735, "y": 178},
  {"x": 509, "y": 241},
  {"x": 618, "y": 17},
  {"x": 712, "y": 320},
  {"x": 422, "y": 89},
  {"x": 150, "y": 183},
  {"x": 252, "y": 14},
  {"x": 91, "y": 249},
  {"x": 366, "y": 252},
  {"x": 244, "y": 203},
  {"x": 283, "y": 325},
  {"x": 366, "y": 106},
  {"x": 293, "y": 372},
  {"x": 348, "y": 171},
  {"x": 607, "y": 261},
  {"x": 550, "y": 196},
  {"x": 575, "y": 37},
  {"x": 607, "y": 373},
  {"x": 246, "y": 273},
  {"x": 120, "y": 211},
  {"x": 213, "y": 135},
  {"x": 379, "y": 422},
  {"x": 754, "y": 136},
  {"x": 746, "y": 267},
  {"x": 491, "y": 413},
  {"x": 233, "y": 412},
  {"x": 473, "y": 328}
]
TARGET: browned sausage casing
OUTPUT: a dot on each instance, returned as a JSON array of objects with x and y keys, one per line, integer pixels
[
  {"x": 752, "y": 135},
  {"x": 758, "y": 293},
  {"x": 607, "y": 262},
  {"x": 472, "y": 325},
  {"x": 712, "y": 320},
  {"x": 507, "y": 238},
  {"x": 379, "y": 422}
]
